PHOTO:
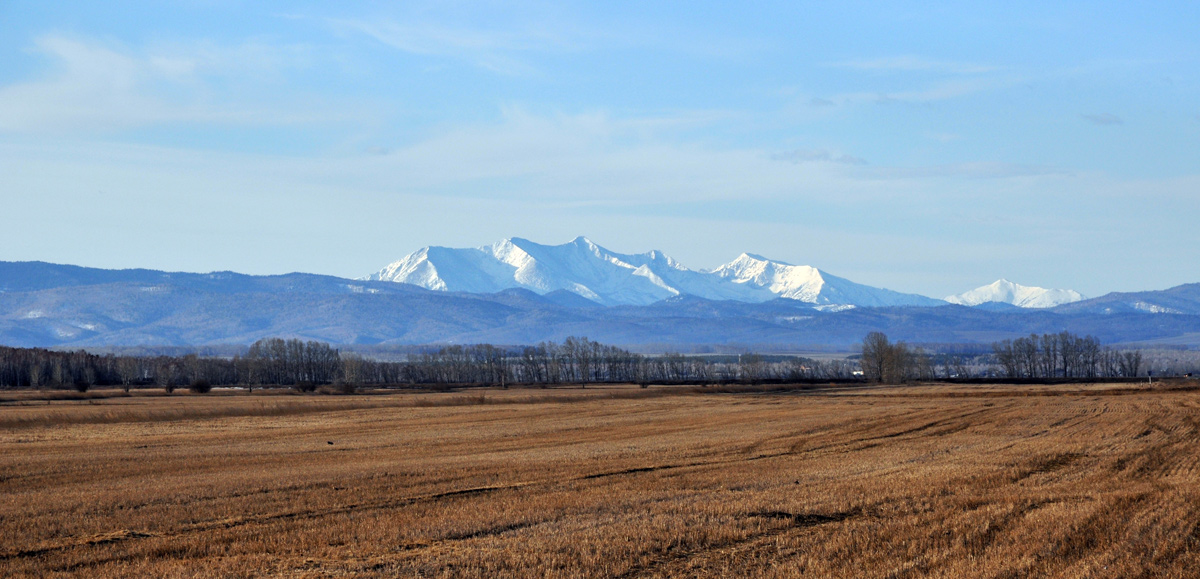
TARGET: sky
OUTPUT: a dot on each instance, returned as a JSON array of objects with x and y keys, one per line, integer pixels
[{"x": 926, "y": 147}]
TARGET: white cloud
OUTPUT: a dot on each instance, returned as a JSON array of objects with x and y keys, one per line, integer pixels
[
  {"x": 95, "y": 87},
  {"x": 970, "y": 170},
  {"x": 940, "y": 91},
  {"x": 909, "y": 63},
  {"x": 552, "y": 177},
  {"x": 494, "y": 50},
  {"x": 923, "y": 93},
  {"x": 798, "y": 156},
  {"x": 586, "y": 158},
  {"x": 938, "y": 80},
  {"x": 509, "y": 39}
]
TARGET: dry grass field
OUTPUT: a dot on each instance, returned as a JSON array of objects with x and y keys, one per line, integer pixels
[{"x": 928, "y": 481}]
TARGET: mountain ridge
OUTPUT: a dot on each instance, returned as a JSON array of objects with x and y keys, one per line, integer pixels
[
  {"x": 1003, "y": 291},
  {"x": 48, "y": 305},
  {"x": 610, "y": 278}
]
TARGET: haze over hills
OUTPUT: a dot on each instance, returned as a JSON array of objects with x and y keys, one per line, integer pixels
[
  {"x": 1006, "y": 292},
  {"x": 609, "y": 278},
  {"x": 50, "y": 305},
  {"x": 1179, "y": 300}
]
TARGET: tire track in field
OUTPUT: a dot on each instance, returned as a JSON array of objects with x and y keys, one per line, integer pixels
[
  {"x": 793, "y": 522},
  {"x": 955, "y": 421},
  {"x": 125, "y": 535},
  {"x": 128, "y": 535}
]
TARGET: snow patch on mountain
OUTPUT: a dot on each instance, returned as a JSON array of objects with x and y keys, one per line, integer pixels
[
  {"x": 834, "y": 307},
  {"x": 1154, "y": 308},
  {"x": 1007, "y": 292}
]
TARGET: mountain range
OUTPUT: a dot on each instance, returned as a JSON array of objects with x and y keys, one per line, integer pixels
[
  {"x": 519, "y": 292},
  {"x": 1006, "y": 292},
  {"x": 609, "y": 278}
]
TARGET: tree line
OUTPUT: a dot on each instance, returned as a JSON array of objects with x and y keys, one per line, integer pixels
[
  {"x": 308, "y": 364},
  {"x": 576, "y": 360},
  {"x": 1064, "y": 355}
]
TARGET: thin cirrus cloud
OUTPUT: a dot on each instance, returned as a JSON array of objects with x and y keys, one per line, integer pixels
[
  {"x": 930, "y": 80},
  {"x": 96, "y": 87},
  {"x": 493, "y": 50},
  {"x": 574, "y": 172},
  {"x": 910, "y": 63},
  {"x": 924, "y": 94},
  {"x": 512, "y": 45},
  {"x": 599, "y": 160},
  {"x": 587, "y": 158},
  {"x": 969, "y": 170},
  {"x": 817, "y": 156},
  {"x": 940, "y": 91}
]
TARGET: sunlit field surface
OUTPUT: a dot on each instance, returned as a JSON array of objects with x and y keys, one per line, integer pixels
[{"x": 938, "y": 480}]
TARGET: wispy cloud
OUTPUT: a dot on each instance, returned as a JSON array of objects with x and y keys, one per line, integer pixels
[
  {"x": 910, "y": 63},
  {"x": 495, "y": 50},
  {"x": 923, "y": 93},
  {"x": 930, "y": 80},
  {"x": 940, "y": 91},
  {"x": 972, "y": 170},
  {"x": 817, "y": 156},
  {"x": 95, "y": 86},
  {"x": 248, "y": 59},
  {"x": 1103, "y": 119},
  {"x": 512, "y": 38},
  {"x": 553, "y": 176}
]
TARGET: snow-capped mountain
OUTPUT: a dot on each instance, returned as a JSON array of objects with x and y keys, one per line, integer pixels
[
  {"x": 809, "y": 284},
  {"x": 49, "y": 305},
  {"x": 610, "y": 278},
  {"x": 580, "y": 267},
  {"x": 1007, "y": 292}
]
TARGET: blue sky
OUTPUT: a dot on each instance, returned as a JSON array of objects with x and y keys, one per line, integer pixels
[{"x": 923, "y": 147}]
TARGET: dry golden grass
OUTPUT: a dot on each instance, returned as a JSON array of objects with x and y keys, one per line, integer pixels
[{"x": 940, "y": 481}]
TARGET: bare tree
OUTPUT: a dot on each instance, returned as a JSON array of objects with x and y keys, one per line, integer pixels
[{"x": 875, "y": 353}]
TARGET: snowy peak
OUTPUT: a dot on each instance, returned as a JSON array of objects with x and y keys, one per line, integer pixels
[
  {"x": 609, "y": 278},
  {"x": 1007, "y": 292},
  {"x": 809, "y": 284},
  {"x": 801, "y": 282},
  {"x": 578, "y": 266}
]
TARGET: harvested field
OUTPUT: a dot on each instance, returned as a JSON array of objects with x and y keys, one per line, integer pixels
[{"x": 929, "y": 481}]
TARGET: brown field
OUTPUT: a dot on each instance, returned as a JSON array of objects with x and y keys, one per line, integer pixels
[{"x": 939, "y": 481}]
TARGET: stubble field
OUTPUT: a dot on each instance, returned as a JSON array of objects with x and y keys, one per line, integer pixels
[{"x": 937, "y": 481}]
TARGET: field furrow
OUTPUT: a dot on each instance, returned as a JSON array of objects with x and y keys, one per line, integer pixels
[{"x": 921, "y": 481}]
